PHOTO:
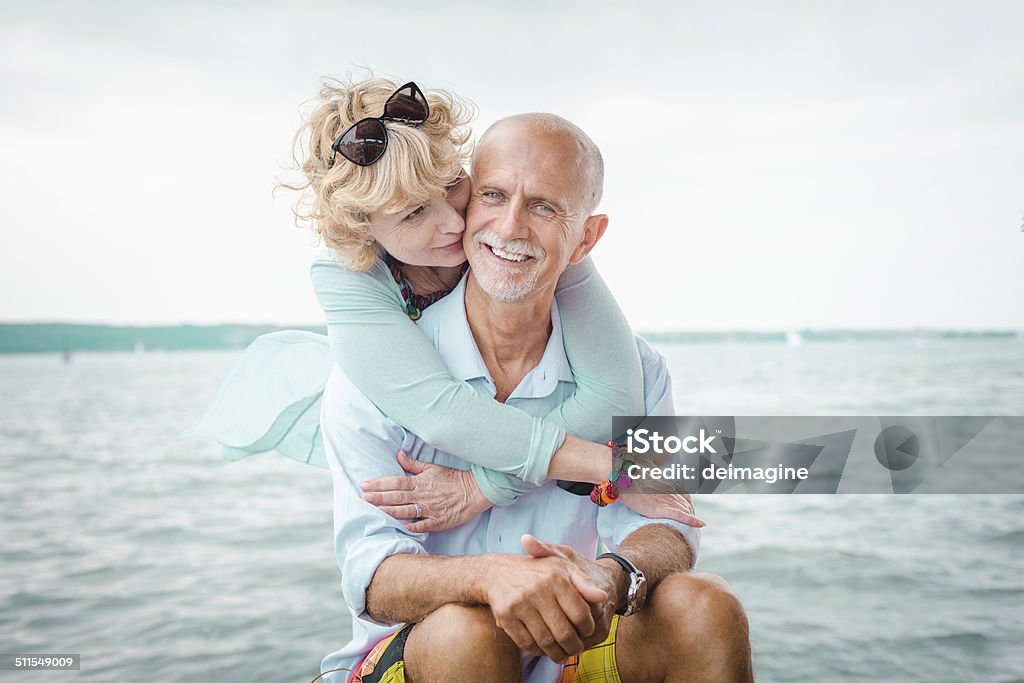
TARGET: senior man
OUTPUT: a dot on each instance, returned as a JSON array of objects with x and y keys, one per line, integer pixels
[{"x": 468, "y": 604}]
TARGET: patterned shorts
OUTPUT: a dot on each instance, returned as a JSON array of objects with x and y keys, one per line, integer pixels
[
  {"x": 596, "y": 664},
  {"x": 385, "y": 663}
]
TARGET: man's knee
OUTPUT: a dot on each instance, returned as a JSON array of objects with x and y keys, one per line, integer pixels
[
  {"x": 459, "y": 640},
  {"x": 453, "y": 623},
  {"x": 702, "y": 604}
]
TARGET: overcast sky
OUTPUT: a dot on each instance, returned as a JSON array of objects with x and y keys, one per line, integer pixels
[{"x": 770, "y": 165}]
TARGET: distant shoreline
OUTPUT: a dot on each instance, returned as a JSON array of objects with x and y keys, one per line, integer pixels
[{"x": 72, "y": 338}]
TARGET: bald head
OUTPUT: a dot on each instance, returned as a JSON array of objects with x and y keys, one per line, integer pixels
[{"x": 588, "y": 161}]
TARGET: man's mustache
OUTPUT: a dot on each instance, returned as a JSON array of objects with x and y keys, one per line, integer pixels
[{"x": 491, "y": 239}]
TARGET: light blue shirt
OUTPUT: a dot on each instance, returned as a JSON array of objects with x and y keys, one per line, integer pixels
[{"x": 361, "y": 443}]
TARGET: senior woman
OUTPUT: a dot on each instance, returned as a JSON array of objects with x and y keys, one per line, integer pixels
[{"x": 386, "y": 191}]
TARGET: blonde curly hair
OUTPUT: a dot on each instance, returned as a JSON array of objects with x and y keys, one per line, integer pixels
[{"x": 338, "y": 196}]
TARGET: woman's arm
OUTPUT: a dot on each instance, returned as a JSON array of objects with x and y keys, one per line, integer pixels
[
  {"x": 365, "y": 318},
  {"x": 365, "y": 314},
  {"x": 601, "y": 349}
]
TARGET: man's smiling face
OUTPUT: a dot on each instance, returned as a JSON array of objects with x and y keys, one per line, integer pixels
[{"x": 525, "y": 219}]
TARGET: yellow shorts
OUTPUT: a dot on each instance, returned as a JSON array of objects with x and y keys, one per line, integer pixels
[
  {"x": 386, "y": 661},
  {"x": 596, "y": 664}
]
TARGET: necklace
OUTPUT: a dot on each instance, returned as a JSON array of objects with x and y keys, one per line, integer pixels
[{"x": 415, "y": 303}]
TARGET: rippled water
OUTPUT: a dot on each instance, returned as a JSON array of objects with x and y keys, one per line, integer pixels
[{"x": 156, "y": 560}]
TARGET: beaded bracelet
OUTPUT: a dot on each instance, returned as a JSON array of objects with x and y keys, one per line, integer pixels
[{"x": 607, "y": 492}]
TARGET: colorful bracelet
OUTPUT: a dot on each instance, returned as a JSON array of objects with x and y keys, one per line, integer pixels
[{"x": 607, "y": 492}]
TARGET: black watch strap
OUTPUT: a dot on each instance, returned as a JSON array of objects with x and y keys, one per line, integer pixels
[{"x": 623, "y": 562}]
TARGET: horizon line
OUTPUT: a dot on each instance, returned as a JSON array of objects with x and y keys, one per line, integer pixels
[{"x": 689, "y": 330}]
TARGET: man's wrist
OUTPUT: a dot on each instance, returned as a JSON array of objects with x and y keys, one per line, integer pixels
[
  {"x": 478, "y": 582},
  {"x": 619, "y": 581}
]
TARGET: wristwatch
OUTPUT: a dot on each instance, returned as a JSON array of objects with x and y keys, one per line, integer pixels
[{"x": 637, "y": 593}]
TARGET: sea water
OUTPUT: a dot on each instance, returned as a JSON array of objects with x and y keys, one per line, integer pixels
[{"x": 156, "y": 560}]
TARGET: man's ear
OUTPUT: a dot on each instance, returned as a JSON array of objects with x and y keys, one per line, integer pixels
[{"x": 593, "y": 230}]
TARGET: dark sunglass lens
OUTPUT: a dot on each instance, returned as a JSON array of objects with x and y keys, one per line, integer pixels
[
  {"x": 364, "y": 142},
  {"x": 407, "y": 104}
]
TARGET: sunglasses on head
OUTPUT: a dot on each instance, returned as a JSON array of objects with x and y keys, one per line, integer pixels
[{"x": 364, "y": 142}]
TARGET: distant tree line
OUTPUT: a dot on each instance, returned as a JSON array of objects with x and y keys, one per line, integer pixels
[{"x": 66, "y": 338}]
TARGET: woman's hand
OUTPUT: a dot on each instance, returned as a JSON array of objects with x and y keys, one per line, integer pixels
[
  {"x": 435, "y": 496},
  {"x": 674, "y": 506}
]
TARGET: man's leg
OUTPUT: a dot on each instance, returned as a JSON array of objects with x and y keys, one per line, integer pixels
[
  {"x": 692, "y": 629},
  {"x": 460, "y": 643}
]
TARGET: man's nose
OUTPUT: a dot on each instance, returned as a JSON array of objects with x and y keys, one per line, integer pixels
[{"x": 511, "y": 224}]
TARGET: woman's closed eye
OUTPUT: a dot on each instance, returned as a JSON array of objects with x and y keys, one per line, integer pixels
[{"x": 415, "y": 213}]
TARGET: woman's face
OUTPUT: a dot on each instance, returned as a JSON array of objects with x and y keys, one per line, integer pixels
[{"x": 428, "y": 234}]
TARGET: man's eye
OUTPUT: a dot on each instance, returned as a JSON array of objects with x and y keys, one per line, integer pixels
[
  {"x": 544, "y": 208},
  {"x": 414, "y": 214},
  {"x": 492, "y": 195}
]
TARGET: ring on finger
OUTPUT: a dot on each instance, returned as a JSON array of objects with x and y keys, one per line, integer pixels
[{"x": 419, "y": 511}]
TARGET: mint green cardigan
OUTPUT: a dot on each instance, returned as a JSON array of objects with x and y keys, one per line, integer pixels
[{"x": 271, "y": 400}]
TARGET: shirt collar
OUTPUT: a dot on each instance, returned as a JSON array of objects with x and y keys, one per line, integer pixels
[{"x": 454, "y": 341}]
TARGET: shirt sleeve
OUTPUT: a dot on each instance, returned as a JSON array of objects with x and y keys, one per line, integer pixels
[
  {"x": 359, "y": 446},
  {"x": 616, "y": 522}
]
